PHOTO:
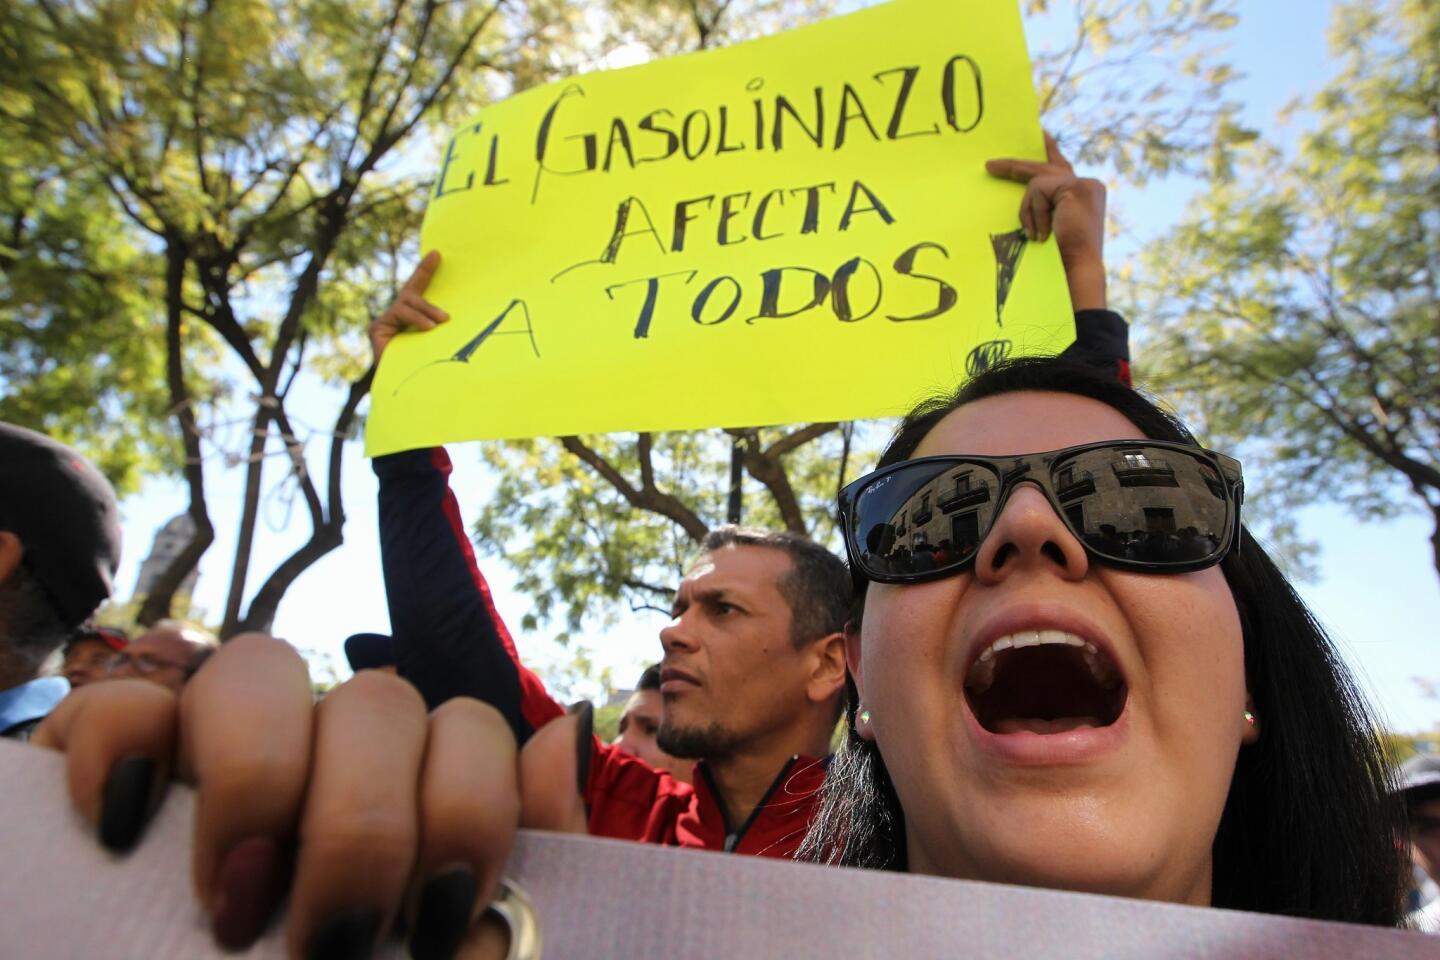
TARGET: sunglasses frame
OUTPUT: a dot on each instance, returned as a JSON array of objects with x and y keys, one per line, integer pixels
[{"x": 1007, "y": 471}]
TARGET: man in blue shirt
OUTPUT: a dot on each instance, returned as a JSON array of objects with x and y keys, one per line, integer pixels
[{"x": 59, "y": 546}]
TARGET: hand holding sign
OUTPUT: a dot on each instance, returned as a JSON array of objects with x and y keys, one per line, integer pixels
[
  {"x": 1071, "y": 207},
  {"x": 389, "y": 807},
  {"x": 410, "y": 311}
]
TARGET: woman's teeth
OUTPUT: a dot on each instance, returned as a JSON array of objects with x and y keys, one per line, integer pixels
[{"x": 982, "y": 671}]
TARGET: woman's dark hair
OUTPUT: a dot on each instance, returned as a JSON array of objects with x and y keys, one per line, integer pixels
[{"x": 1309, "y": 827}]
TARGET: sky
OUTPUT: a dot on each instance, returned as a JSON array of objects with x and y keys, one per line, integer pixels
[{"x": 1377, "y": 591}]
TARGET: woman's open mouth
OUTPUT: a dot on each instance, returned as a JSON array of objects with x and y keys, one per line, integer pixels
[{"x": 1044, "y": 682}]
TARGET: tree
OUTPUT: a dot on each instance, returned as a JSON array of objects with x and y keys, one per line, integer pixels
[
  {"x": 599, "y": 526},
  {"x": 1299, "y": 303},
  {"x": 1136, "y": 86},
  {"x": 586, "y": 522},
  {"x": 231, "y": 176},
  {"x": 238, "y": 180},
  {"x": 217, "y": 195},
  {"x": 68, "y": 281}
]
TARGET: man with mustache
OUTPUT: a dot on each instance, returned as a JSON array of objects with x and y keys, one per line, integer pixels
[{"x": 752, "y": 677}]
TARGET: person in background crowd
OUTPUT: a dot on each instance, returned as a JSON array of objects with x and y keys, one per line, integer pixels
[
  {"x": 370, "y": 651},
  {"x": 59, "y": 547},
  {"x": 1049, "y": 712},
  {"x": 88, "y": 653},
  {"x": 640, "y": 722},
  {"x": 1418, "y": 787},
  {"x": 168, "y": 653}
]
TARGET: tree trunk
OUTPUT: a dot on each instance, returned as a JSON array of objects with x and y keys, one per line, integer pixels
[
  {"x": 250, "y": 512},
  {"x": 159, "y": 602},
  {"x": 1435, "y": 540},
  {"x": 327, "y": 532},
  {"x": 736, "y": 507}
]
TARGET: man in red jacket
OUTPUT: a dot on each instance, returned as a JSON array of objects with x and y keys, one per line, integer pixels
[
  {"x": 752, "y": 679},
  {"x": 752, "y": 676}
]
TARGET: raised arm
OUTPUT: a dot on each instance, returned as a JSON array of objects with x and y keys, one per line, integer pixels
[
  {"x": 449, "y": 639},
  {"x": 1072, "y": 208}
]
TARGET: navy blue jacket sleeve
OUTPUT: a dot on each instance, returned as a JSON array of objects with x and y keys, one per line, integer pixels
[
  {"x": 449, "y": 639},
  {"x": 1102, "y": 339}
]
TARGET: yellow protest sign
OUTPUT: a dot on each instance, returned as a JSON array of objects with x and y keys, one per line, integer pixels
[{"x": 794, "y": 228}]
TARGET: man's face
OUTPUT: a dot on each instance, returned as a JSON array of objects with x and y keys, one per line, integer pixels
[
  {"x": 731, "y": 675},
  {"x": 87, "y": 661},
  {"x": 1425, "y": 836},
  {"x": 638, "y": 725},
  {"x": 161, "y": 655}
]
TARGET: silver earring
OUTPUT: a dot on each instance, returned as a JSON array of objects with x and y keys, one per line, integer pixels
[
  {"x": 1250, "y": 718},
  {"x": 863, "y": 717}
]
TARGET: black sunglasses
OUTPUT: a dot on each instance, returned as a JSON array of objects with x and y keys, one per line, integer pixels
[{"x": 1135, "y": 504}]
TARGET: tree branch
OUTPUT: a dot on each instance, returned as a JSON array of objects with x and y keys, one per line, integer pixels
[
  {"x": 326, "y": 535},
  {"x": 799, "y": 438},
  {"x": 647, "y": 498},
  {"x": 771, "y": 473},
  {"x": 159, "y": 601},
  {"x": 665, "y": 592}
]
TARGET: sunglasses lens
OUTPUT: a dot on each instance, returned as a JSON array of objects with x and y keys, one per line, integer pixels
[
  {"x": 923, "y": 518},
  {"x": 1152, "y": 505}
]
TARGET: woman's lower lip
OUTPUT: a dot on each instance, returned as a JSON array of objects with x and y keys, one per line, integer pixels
[{"x": 1027, "y": 748}]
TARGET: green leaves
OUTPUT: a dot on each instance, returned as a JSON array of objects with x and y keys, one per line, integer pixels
[
  {"x": 1299, "y": 303},
  {"x": 1137, "y": 85},
  {"x": 247, "y": 176}
]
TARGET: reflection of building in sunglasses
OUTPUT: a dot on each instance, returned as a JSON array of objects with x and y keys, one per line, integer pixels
[{"x": 1141, "y": 505}]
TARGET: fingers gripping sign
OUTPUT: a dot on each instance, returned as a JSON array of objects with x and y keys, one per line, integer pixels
[
  {"x": 469, "y": 809},
  {"x": 119, "y": 739},
  {"x": 373, "y": 806},
  {"x": 410, "y": 311},
  {"x": 244, "y": 733},
  {"x": 1072, "y": 208}
]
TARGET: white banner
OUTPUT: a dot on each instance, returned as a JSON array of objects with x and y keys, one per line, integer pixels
[{"x": 63, "y": 896}]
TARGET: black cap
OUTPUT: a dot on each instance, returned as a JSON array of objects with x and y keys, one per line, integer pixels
[
  {"x": 1419, "y": 779},
  {"x": 65, "y": 515},
  {"x": 367, "y": 651}
]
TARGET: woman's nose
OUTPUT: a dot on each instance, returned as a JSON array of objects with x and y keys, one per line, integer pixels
[{"x": 1029, "y": 534}]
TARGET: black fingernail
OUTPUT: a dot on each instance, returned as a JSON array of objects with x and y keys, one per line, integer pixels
[
  {"x": 346, "y": 936},
  {"x": 126, "y": 804},
  {"x": 248, "y": 887},
  {"x": 443, "y": 919},
  {"x": 584, "y": 713}
]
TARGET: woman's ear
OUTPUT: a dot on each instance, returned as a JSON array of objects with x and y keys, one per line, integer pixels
[
  {"x": 852, "y": 655},
  {"x": 863, "y": 726}
]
